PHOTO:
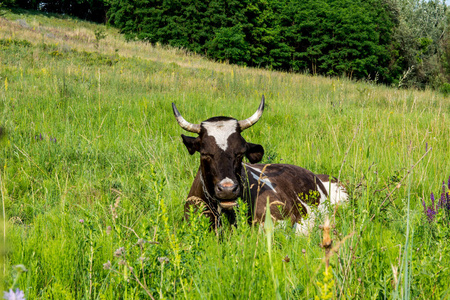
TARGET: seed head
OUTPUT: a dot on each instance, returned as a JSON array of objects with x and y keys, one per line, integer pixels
[
  {"x": 107, "y": 265},
  {"x": 163, "y": 259},
  {"x": 119, "y": 252},
  {"x": 122, "y": 262}
]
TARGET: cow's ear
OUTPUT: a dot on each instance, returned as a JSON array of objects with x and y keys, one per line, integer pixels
[
  {"x": 191, "y": 143},
  {"x": 254, "y": 153}
]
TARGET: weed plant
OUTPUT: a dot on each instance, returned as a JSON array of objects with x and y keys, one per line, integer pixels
[{"x": 94, "y": 174}]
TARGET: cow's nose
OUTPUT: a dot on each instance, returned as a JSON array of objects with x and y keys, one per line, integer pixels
[{"x": 227, "y": 189}]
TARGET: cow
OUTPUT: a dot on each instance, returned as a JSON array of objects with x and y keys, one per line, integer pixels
[{"x": 223, "y": 176}]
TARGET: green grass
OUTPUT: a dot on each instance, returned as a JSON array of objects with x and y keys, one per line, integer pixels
[{"x": 89, "y": 134}]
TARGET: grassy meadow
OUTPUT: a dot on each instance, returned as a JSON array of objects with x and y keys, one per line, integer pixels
[{"x": 94, "y": 175}]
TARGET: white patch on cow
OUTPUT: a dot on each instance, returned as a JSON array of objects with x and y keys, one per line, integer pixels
[
  {"x": 323, "y": 197},
  {"x": 221, "y": 131},
  {"x": 337, "y": 195},
  {"x": 336, "y": 192},
  {"x": 256, "y": 174},
  {"x": 307, "y": 223}
]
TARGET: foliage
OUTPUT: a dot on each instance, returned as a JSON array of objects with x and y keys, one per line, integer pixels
[
  {"x": 397, "y": 42},
  {"x": 339, "y": 37},
  {"x": 418, "y": 40},
  {"x": 324, "y": 37},
  {"x": 93, "y": 10}
]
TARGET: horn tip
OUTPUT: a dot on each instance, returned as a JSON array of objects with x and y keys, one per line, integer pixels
[{"x": 175, "y": 110}]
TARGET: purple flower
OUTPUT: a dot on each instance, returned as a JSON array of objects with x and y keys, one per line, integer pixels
[
  {"x": 432, "y": 200},
  {"x": 14, "y": 295},
  {"x": 448, "y": 184},
  {"x": 430, "y": 211},
  {"x": 442, "y": 201},
  {"x": 426, "y": 147},
  {"x": 81, "y": 221},
  {"x": 430, "y": 214}
]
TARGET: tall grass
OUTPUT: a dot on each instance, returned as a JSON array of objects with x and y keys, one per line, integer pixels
[{"x": 89, "y": 135}]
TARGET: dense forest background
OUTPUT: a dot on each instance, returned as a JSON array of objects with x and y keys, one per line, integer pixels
[{"x": 403, "y": 43}]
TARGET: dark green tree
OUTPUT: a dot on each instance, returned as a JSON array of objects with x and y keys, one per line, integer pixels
[{"x": 336, "y": 37}]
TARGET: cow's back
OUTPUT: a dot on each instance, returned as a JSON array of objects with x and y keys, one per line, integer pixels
[{"x": 290, "y": 189}]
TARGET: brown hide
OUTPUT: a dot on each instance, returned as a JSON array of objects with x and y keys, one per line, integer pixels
[{"x": 282, "y": 183}]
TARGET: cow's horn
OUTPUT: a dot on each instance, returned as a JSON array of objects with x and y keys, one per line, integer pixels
[
  {"x": 244, "y": 124},
  {"x": 195, "y": 128}
]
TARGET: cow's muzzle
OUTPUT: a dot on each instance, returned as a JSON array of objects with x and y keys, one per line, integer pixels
[{"x": 227, "y": 192}]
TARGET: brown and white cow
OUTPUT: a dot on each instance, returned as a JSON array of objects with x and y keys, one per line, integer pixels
[{"x": 223, "y": 177}]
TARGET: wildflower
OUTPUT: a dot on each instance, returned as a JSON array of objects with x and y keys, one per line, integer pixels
[
  {"x": 286, "y": 259},
  {"x": 14, "y": 295},
  {"x": 81, "y": 221},
  {"x": 442, "y": 201},
  {"x": 432, "y": 199},
  {"x": 163, "y": 259},
  {"x": 431, "y": 213},
  {"x": 122, "y": 262},
  {"x": 119, "y": 252},
  {"x": 107, "y": 265},
  {"x": 108, "y": 230},
  {"x": 20, "y": 268}
]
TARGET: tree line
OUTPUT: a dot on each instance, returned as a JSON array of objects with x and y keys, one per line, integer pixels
[{"x": 395, "y": 42}]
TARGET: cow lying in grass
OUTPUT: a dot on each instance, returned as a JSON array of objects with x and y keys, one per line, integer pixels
[{"x": 223, "y": 177}]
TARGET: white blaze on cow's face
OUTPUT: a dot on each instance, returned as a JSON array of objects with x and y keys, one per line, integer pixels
[
  {"x": 221, "y": 149},
  {"x": 221, "y": 131}
]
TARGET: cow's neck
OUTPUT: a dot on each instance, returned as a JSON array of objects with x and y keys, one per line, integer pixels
[{"x": 213, "y": 204}]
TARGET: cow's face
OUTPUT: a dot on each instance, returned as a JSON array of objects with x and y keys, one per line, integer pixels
[{"x": 222, "y": 149}]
